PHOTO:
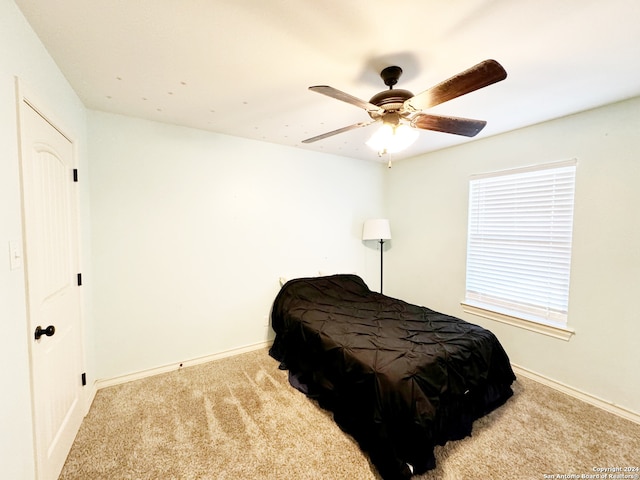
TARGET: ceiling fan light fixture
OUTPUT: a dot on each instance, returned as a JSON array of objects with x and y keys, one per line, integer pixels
[{"x": 392, "y": 138}]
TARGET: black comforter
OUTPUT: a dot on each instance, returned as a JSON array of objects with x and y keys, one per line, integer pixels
[{"x": 398, "y": 377}]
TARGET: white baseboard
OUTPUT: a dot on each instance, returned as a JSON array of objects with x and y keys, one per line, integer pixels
[
  {"x": 580, "y": 395},
  {"x": 176, "y": 366}
]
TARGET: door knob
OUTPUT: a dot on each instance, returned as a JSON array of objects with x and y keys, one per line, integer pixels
[{"x": 50, "y": 330}]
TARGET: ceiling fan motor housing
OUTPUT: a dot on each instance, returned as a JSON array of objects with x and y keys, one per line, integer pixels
[{"x": 391, "y": 99}]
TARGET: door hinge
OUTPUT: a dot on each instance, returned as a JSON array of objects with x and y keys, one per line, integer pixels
[
  {"x": 84, "y": 379},
  {"x": 79, "y": 279},
  {"x": 75, "y": 174}
]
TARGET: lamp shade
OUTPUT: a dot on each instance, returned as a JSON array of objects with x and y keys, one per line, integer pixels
[{"x": 376, "y": 229}]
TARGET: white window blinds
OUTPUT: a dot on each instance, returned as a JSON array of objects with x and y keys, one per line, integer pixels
[{"x": 519, "y": 241}]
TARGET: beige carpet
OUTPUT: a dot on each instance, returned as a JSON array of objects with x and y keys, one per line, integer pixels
[{"x": 238, "y": 418}]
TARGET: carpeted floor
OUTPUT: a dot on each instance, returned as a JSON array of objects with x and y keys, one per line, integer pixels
[{"x": 238, "y": 418}]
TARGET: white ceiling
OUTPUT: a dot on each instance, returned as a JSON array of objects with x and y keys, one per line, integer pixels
[{"x": 242, "y": 67}]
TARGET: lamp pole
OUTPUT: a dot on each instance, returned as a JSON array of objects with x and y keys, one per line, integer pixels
[
  {"x": 381, "y": 248},
  {"x": 377, "y": 229}
]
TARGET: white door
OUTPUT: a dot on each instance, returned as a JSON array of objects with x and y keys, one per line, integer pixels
[{"x": 53, "y": 294}]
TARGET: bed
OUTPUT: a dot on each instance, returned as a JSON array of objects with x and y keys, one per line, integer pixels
[{"x": 399, "y": 378}]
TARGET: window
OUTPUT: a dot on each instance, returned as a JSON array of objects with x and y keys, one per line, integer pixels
[{"x": 519, "y": 245}]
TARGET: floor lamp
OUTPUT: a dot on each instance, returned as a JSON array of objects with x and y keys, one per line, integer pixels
[{"x": 377, "y": 229}]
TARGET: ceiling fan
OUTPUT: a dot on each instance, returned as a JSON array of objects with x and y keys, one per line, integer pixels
[{"x": 396, "y": 107}]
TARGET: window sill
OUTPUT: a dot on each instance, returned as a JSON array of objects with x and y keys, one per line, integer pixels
[{"x": 561, "y": 333}]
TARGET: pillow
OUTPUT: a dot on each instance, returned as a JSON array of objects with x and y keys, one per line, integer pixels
[{"x": 284, "y": 279}]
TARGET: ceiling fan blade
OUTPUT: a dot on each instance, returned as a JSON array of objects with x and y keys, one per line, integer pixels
[
  {"x": 345, "y": 97},
  {"x": 479, "y": 76},
  {"x": 466, "y": 127},
  {"x": 336, "y": 132}
]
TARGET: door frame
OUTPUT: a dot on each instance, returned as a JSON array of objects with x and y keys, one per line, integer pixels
[{"x": 25, "y": 98}]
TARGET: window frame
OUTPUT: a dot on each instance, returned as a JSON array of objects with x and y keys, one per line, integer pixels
[{"x": 553, "y": 324}]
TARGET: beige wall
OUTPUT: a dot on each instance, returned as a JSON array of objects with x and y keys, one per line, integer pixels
[
  {"x": 191, "y": 231},
  {"x": 427, "y": 203}
]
